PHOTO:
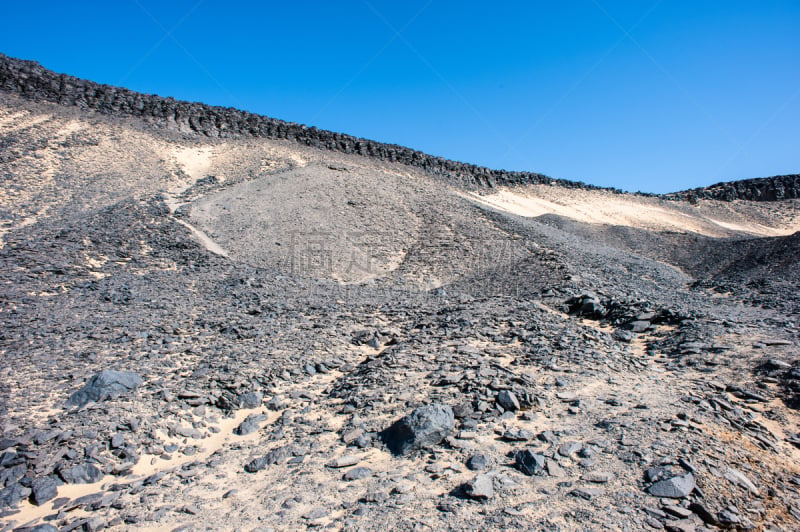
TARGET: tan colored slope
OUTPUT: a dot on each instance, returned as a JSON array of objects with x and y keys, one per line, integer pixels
[{"x": 710, "y": 218}]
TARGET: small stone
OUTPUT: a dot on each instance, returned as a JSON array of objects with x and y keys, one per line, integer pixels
[
  {"x": 586, "y": 493},
  {"x": 727, "y": 518},
  {"x": 738, "y": 478},
  {"x": 682, "y": 525},
  {"x": 553, "y": 469},
  {"x": 250, "y": 400},
  {"x": 44, "y": 527},
  {"x": 105, "y": 385},
  {"x": 250, "y": 424},
  {"x": 344, "y": 461},
  {"x": 677, "y": 511},
  {"x": 568, "y": 449},
  {"x": 598, "y": 477},
  {"x": 352, "y": 435},
  {"x": 508, "y": 401},
  {"x": 273, "y": 457},
  {"x": 517, "y": 435},
  {"x": 478, "y": 462},
  {"x": 12, "y": 495},
  {"x": 357, "y": 473},
  {"x": 675, "y": 488},
  {"x": 375, "y": 496},
  {"x": 480, "y": 488},
  {"x": 315, "y": 513},
  {"x": 529, "y": 462}
]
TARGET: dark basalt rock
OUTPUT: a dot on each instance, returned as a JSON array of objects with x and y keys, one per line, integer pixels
[
  {"x": 424, "y": 427},
  {"x": 675, "y": 488},
  {"x": 107, "y": 384},
  {"x": 81, "y": 474}
]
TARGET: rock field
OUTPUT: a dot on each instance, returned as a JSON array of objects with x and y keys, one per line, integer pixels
[{"x": 208, "y": 327}]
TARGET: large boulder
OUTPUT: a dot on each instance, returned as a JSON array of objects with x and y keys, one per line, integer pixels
[
  {"x": 424, "y": 427},
  {"x": 107, "y": 384}
]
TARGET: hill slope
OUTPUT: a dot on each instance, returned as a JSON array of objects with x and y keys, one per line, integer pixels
[{"x": 285, "y": 301}]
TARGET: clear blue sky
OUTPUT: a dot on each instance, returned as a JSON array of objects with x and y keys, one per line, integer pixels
[{"x": 642, "y": 95}]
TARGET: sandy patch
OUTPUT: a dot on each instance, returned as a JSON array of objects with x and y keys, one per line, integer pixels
[
  {"x": 601, "y": 207},
  {"x": 194, "y": 162},
  {"x": 204, "y": 239}
]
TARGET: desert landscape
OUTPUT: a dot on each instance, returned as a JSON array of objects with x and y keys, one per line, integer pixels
[{"x": 215, "y": 320}]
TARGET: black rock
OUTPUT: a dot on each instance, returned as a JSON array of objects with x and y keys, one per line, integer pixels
[
  {"x": 508, "y": 401},
  {"x": 81, "y": 474},
  {"x": 477, "y": 462},
  {"x": 529, "y": 462},
  {"x": 13, "y": 494},
  {"x": 44, "y": 489},
  {"x": 357, "y": 473},
  {"x": 272, "y": 457},
  {"x": 675, "y": 488},
  {"x": 249, "y": 425},
  {"x": 44, "y": 527},
  {"x": 107, "y": 384},
  {"x": 424, "y": 427},
  {"x": 250, "y": 400}
]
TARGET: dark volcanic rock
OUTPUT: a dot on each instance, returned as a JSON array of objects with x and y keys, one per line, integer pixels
[
  {"x": 273, "y": 457},
  {"x": 529, "y": 462},
  {"x": 44, "y": 489},
  {"x": 424, "y": 427},
  {"x": 357, "y": 473},
  {"x": 250, "y": 424},
  {"x": 13, "y": 494},
  {"x": 674, "y": 488},
  {"x": 81, "y": 474},
  {"x": 105, "y": 385},
  {"x": 508, "y": 400},
  {"x": 250, "y": 400}
]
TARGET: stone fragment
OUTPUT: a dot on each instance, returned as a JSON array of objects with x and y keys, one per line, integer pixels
[
  {"x": 250, "y": 400},
  {"x": 508, "y": 401},
  {"x": 598, "y": 477},
  {"x": 250, "y": 424},
  {"x": 44, "y": 489},
  {"x": 81, "y": 474},
  {"x": 477, "y": 462},
  {"x": 12, "y": 495},
  {"x": 529, "y": 462},
  {"x": 423, "y": 428},
  {"x": 480, "y": 488},
  {"x": 357, "y": 473},
  {"x": 107, "y": 384},
  {"x": 273, "y": 457},
  {"x": 674, "y": 488}
]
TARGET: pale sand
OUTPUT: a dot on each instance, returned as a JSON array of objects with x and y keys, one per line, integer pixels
[{"x": 602, "y": 207}]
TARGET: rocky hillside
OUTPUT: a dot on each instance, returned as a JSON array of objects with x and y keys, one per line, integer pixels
[
  {"x": 211, "y": 320},
  {"x": 32, "y": 81}
]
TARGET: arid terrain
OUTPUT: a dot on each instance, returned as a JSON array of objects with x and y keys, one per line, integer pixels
[{"x": 216, "y": 321}]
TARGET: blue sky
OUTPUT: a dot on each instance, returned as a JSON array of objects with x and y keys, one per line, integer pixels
[{"x": 641, "y": 95}]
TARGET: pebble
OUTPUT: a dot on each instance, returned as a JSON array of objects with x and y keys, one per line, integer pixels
[{"x": 358, "y": 473}]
